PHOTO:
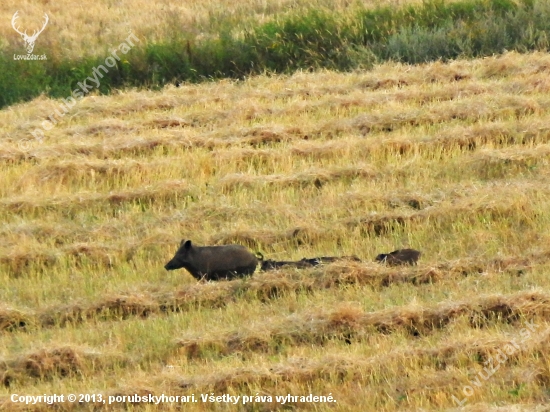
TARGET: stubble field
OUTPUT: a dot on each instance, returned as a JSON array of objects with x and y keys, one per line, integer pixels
[{"x": 451, "y": 159}]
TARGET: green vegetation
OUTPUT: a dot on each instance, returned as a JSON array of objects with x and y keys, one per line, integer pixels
[{"x": 306, "y": 40}]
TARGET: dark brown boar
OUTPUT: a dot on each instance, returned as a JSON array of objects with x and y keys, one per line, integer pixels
[
  {"x": 329, "y": 259},
  {"x": 213, "y": 262},
  {"x": 399, "y": 257},
  {"x": 277, "y": 264},
  {"x": 304, "y": 263}
]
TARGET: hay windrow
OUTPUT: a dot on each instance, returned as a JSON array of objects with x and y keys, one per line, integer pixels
[
  {"x": 350, "y": 324},
  {"x": 54, "y": 363},
  {"x": 346, "y": 368},
  {"x": 264, "y": 286},
  {"x": 166, "y": 190}
]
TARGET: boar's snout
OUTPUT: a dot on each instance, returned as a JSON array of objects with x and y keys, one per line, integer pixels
[{"x": 172, "y": 265}]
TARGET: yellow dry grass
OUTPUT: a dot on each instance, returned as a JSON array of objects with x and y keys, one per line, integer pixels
[
  {"x": 451, "y": 159},
  {"x": 95, "y": 27}
]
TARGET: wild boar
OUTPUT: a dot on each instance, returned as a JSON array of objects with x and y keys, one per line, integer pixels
[
  {"x": 329, "y": 259},
  {"x": 213, "y": 262},
  {"x": 304, "y": 263},
  {"x": 277, "y": 264},
  {"x": 399, "y": 257}
]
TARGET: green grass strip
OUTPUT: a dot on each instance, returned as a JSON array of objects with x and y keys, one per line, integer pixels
[{"x": 357, "y": 38}]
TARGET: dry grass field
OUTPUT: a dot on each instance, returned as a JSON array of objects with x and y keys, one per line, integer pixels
[
  {"x": 91, "y": 27},
  {"x": 451, "y": 159}
]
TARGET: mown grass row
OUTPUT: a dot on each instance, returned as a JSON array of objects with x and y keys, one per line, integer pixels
[
  {"x": 418, "y": 387},
  {"x": 94, "y": 179},
  {"x": 503, "y": 121},
  {"x": 472, "y": 352},
  {"x": 515, "y": 388},
  {"x": 314, "y": 39},
  {"x": 62, "y": 362},
  {"x": 393, "y": 204},
  {"x": 347, "y": 324},
  {"x": 517, "y": 213},
  {"x": 351, "y": 324},
  {"x": 264, "y": 287},
  {"x": 64, "y": 248}
]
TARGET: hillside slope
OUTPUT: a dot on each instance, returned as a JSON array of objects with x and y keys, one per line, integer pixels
[{"x": 451, "y": 159}]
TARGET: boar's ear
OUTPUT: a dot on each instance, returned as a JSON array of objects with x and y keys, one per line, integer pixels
[{"x": 187, "y": 245}]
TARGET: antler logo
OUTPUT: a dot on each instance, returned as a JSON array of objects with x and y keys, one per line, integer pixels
[{"x": 29, "y": 40}]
